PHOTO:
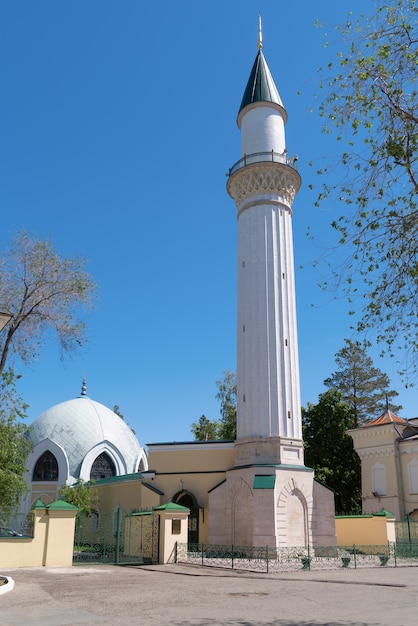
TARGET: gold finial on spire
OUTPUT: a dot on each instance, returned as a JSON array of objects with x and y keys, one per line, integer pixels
[{"x": 260, "y": 33}]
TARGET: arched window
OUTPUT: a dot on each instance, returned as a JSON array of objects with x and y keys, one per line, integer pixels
[
  {"x": 103, "y": 467},
  {"x": 378, "y": 479},
  {"x": 46, "y": 468}
]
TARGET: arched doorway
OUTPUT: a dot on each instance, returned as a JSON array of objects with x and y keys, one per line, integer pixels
[{"x": 187, "y": 499}]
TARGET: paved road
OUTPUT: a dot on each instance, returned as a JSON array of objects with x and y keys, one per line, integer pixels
[{"x": 185, "y": 595}]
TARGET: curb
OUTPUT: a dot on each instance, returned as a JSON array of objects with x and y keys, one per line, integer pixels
[{"x": 8, "y": 586}]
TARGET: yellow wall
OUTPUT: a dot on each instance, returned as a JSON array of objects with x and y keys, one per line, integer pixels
[
  {"x": 364, "y": 530},
  {"x": 51, "y": 544},
  {"x": 191, "y": 457},
  {"x": 195, "y": 468}
]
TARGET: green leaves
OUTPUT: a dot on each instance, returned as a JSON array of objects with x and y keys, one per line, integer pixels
[
  {"x": 81, "y": 495},
  {"x": 205, "y": 429},
  {"x": 371, "y": 106},
  {"x": 329, "y": 450},
  {"x": 226, "y": 427},
  {"x": 14, "y": 446}
]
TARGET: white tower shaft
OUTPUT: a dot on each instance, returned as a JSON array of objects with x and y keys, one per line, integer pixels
[
  {"x": 263, "y": 184},
  {"x": 267, "y": 352}
]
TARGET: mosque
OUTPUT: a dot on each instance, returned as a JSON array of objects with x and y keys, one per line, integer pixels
[{"x": 254, "y": 491}]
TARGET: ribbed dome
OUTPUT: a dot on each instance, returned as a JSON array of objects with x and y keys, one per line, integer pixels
[{"x": 81, "y": 424}]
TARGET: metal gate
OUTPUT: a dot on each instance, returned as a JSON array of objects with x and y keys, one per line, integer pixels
[
  {"x": 406, "y": 531},
  {"x": 117, "y": 538}
]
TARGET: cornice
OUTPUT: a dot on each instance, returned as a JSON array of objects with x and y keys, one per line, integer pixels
[
  {"x": 376, "y": 452},
  {"x": 373, "y": 433}
]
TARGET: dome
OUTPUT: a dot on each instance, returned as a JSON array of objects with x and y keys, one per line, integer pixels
[{"x": 84, "y": 429}]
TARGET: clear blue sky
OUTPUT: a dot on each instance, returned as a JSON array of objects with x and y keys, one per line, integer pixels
[{"x": 118, "y": 124}]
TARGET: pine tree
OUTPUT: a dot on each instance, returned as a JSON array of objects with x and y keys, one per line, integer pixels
[{"x": 364, "y": 388}]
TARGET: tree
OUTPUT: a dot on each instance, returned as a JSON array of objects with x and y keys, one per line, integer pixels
[
  {"x": 364, "y": 388},
  {"x": 43, "y": 291},
  {"x": 226, "y": 427},
  {"x": 15, "y": 446},
  {"x": 80, "y": 495},
  {"x": 370, "y": 103},
  {"x": 330, "y": 452},
  {"x": 227, "y": 396},
  {"x": 205, "y": 429}
]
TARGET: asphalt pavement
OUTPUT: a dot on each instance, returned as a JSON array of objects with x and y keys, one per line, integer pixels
[{"x": 184, "y": 595}]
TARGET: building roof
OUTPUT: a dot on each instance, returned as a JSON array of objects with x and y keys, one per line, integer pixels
[
  {"x": 79, "y": 425},
  {"x": 387, "y": 418},
  {"x": 260, "y": 86}
]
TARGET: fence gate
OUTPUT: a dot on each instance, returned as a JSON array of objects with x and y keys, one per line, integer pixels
[{"x": 117, "y": 538}]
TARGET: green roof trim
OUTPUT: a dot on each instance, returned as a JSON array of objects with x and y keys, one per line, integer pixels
[
  {"x": 190, "y": 443},
  {"x": 138, "y": 513},
  {"x": 383, "y": 513},
  {"x": 365, "y": 516},
  {"x": 171, "y": 506},
  {"x": 117, "y": 479},
  {"x": 266, "y": 481},
  {"x": 61, "y": 505},
  {"x": 39, "y": 505},
  {"x": 282, "y": 466}
]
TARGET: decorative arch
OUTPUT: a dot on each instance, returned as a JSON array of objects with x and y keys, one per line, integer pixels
[
  {"x": 188, "y": 499},
  {"x": 293, "y": 508},
  {"x": 142, "y": 462},
  {"x": 102, "y": 467},
  {"x": 44, "y": 497},
  {"x": 91, "y": 456},
  {"x": 57, "y": 451},
  {"x": 46, "y": 468},
  {"x": 240, "y": 512}
]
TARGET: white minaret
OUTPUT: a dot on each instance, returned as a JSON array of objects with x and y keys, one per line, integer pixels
[
  {"x": 269, "y": 497},
  {"x": 263, "y": 184}
]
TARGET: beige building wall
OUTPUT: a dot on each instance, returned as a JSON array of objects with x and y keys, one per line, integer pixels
[
  {"x": 173, "y": 530},
  {"x": 389, "y": 468},
  {"x": 274, "y": 506},
  {"x": 47, "y": 492}
]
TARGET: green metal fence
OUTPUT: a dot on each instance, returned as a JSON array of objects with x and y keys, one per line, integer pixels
[
  {"x": 269, "y": 560},
  {"x": 406, "y": 531}
]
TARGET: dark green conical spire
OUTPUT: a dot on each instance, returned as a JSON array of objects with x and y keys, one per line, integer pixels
[{"x": 260, "y": 86}]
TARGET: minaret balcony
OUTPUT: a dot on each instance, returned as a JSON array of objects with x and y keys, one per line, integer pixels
[{"x": 264, "y": 157}]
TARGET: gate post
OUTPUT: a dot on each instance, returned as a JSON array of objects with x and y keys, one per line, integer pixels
[
  {"x": 118, "y": 534},
  {"x": 173, "y": 528}
]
